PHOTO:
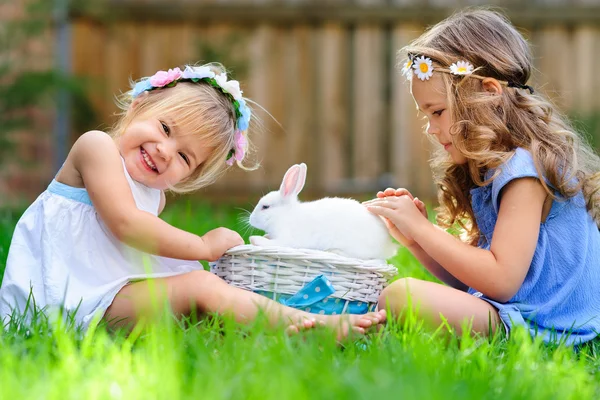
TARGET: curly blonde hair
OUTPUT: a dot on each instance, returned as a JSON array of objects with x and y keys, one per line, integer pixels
[
  {"x": 488, "y": 129},
  {"x": 204, "y": 111}
]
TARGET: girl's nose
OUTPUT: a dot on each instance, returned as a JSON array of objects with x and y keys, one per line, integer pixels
[
  {"x": 431, "y": 130},
  {"x": 164, "y": 150}
]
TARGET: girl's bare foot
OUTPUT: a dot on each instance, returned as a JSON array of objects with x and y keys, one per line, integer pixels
[
  {"x": 300, "y": 326},
  {"x": 355, "y": 323},
  {"x": 342, "y": 324}
]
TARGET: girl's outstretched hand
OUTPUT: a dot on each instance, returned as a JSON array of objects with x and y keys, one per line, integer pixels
[
  {"x": 404, "y": 240},
  {"x": 403, "y": 192},
  {"x": 220, "y": 240},
  {"x": 403, "y": 212}
]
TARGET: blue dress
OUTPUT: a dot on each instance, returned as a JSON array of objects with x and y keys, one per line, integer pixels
[{"x": 560, "y": 297}]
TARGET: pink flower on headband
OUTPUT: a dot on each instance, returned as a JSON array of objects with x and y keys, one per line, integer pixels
[
  {"x": 239, "y": 147},
  {"x": 163, "y": 78}
]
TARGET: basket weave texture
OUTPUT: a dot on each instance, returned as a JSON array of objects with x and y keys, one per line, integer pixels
[{"x": 284, "y": 270}]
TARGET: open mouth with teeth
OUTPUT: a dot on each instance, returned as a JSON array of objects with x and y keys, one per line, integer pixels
[{"x": 148, "y": 161}]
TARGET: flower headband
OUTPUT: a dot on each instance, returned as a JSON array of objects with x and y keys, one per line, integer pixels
[
  {"x": 196, "y": 74},
  {"x": 422, "y": 67}
]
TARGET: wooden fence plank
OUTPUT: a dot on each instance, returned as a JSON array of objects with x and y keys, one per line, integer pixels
[
  {"x": 583, "y": 66},
  {"x": 276, "y": 152},
  {"x": 368, "y": 97},
  {"x": 299, "y": 104},
  {"x": 554, "y": 56},
  {"x": 332, "y": 83},
  {"x": 258, "y": 88},
  {"x": 87, "y": 60},
  {"x": 121, "y": 61}
]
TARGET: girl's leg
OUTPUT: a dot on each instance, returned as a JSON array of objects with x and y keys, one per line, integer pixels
[
  {"x": 204, "y": 292},
  {"x": 432, "y": 300}
]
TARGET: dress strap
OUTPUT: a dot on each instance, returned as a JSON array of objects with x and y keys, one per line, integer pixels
[
  {"x": 70, "y": 192},
  {"x": 146, "y": 198}
]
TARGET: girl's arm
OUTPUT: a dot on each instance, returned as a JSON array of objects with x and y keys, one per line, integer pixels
[
  {"x": 425, "y": 259},
  {"x": 499, "y": 272},
  {"x": 97, "y": 159},
  {"x": 434, "y": 267}
]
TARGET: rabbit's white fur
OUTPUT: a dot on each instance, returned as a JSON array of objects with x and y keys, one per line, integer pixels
[{"x": 339, "y": 225}]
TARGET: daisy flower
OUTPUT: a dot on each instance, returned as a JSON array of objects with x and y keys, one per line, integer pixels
[
  {"x": 461, "y": 68},
  {"x": 407, "y": 69},
  {"x": 423, "y": 68}
]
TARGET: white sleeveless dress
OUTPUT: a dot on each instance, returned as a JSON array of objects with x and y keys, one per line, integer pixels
[{"x": 64, "y": 256}]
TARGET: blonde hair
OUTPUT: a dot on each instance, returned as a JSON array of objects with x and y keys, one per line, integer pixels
[
  {"x": 488, "y": 129},
  {"x": 204, "y": 110}
]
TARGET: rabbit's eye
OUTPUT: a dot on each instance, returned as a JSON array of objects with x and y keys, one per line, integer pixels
[{"x": 264, "y": 207}]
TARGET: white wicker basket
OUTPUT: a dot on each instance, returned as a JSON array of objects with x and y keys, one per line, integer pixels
[{"x": 283, "y": 270}]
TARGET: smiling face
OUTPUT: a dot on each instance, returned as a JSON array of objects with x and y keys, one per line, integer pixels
[
  {"x": 431, "y": 99},
  {"x": 158, "y": 153}
]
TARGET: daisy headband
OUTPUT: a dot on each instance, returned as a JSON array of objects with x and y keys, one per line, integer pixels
[
  {"x": 423, "y": 68},
  {"x": 170, "y": 78}
]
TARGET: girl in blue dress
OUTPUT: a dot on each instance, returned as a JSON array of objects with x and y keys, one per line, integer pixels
[{"x": 514, "y": 179}]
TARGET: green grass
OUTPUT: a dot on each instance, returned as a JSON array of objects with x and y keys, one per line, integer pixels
[{"x": 217, "y": 359}]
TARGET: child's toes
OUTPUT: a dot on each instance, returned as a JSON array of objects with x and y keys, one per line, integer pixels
[
  {"x": 346, "y": 329},
  {"x": 308, "y": 324},
  {"x": 291, "y": 330},
  {"x": 360, "y": 321},
  {"x": 303, "y": 325},
  {"x": 377, "y": 317},
  {"x": 358, "y": 330}
]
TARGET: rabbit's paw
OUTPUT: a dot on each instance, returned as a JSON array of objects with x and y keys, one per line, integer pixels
[{"x": 260, "y": 241}]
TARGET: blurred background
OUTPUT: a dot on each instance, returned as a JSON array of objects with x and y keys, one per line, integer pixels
[{"x": 324, "y": 69}]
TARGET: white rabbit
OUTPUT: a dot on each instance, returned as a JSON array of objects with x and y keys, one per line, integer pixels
[{"x": 339, "y": 225}]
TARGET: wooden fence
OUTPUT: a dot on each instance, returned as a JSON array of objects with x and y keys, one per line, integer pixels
[{"x": 326, "y": 71}]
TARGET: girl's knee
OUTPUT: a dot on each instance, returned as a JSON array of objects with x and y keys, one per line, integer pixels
[
  {"x": 396, "y": 295},
  {"x": 210, "y": 291},
  {"x": 197, "y": 289},
  {"x": 201, "y": 277}
]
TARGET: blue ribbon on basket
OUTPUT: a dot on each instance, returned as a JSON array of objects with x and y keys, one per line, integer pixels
[
  {"x": 315, "y": 297},
  {"x": 313, "y": 292}
]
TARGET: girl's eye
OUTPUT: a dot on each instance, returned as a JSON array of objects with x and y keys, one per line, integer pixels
[
  {"x": 165, "y": 128},
  {"x": 185, "y": 158},
  {"x": 438, "y": 113}
]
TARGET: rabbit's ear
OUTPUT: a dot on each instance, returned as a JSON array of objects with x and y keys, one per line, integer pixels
[
  {"x": 301, "y": 178},
  {"x": 293, "y": 181}
]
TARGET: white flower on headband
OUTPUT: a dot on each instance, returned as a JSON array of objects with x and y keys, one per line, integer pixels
[
  {"x": 423, "y": 68},
  {"x": 407, "y": 69},
  {"x": 231, "y": 87},
  {"x": 197, "y": 73},
  {"x": 461, "y": 68}
]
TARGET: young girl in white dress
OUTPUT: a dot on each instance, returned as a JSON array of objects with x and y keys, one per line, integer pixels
[{"x": 92, "y": 243}]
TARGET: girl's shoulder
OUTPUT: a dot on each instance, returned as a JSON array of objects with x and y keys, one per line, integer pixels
[
  {"x": 93, "y": 138},
  {"x": 519, "y": 165},
  {"x": 90, "y": 141}
]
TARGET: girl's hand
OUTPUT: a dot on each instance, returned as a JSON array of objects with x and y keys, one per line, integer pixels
[
  {"x": 404, "y": 192},
  {"x": 402, "y": 214},
  {"x": 393, "y": 230},
  {"x": 220, "y": 240}
]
